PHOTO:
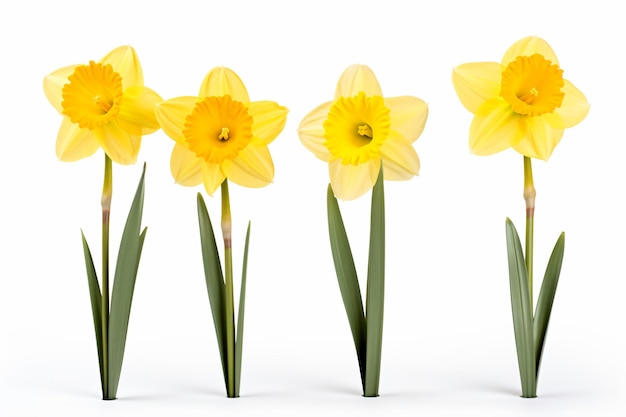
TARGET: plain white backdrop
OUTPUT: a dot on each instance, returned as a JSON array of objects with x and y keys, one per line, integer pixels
[{"x": 448, "y": 341}]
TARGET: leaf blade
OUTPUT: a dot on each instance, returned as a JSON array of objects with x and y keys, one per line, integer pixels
[
  {"x": 375, "y": 298},
  {"x": 347, "y": 279},
  {"x": 546, "y": 298},
  {"x": 522, "y": 312},
  {"x": 95, "y": 295},
  {"x": 240, "y": 314},
  {"x": 126, "y": 269},
  {"x": 214, "y": 280}
]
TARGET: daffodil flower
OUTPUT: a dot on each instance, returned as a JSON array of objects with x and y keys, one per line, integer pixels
[
  {"x": 522, "y": 102},
  {"x": 104, "y": 105},
  {"x": 366, "y": 139},
  {"x": 221, "y": 134},
  {"x": 360, "y": 129}
]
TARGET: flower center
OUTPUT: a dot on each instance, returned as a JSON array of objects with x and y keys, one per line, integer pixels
[
  {"x": 365, "y": 130},
  {"x": 224, "y": 134},
  {"x": 356, "y": 127},
  {"x": 532, "y": 85},
  {"x": 93, "y": 95},
  {"x": 218, "y": 128}
]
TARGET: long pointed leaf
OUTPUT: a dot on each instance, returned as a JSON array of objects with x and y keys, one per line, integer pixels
[
  {"x": 240, "y": 315},
  {"x": 214, "y": 280},
  {"x": 95, "y": 294},
  {"x": 546, "y": 298},
  {"x": 522, "y": 311},
  {"x": 124, "y": 285},
  {"x": 375, "y": 300},
  {"x": 347, "y": 278}
]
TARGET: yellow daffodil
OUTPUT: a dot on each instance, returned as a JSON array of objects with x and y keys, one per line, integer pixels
[
  {"x": 220, "y": 134},
  {"x": 104, "y": 104},
  {"x": 522, "y": 102},
  {"x": 360, "y": 129}
]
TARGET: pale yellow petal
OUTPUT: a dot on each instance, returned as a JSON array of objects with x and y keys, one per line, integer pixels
[
  {"x": 137, "y": 110},
  {"x": 311, "y": 131},
  {"x": 171, "y": 115},
  {"x": 222, "y": 81},
  {"x": 408, "y": 116},
  {"x": 529, "y": 46},
  {"x": 541, "y": 136},
  {"x": 352, "y": 181},
  {"x": 574, "y": 107},
  {"x": 213, "y": 177},
  {"x": 185, "y": 166},
  {"x": 476, "y": 83},
  {"x": 494, "y": 128},
  {"x": 269, "y": 119},
  {"x": 394, "y": 172},
  {"x": 252, "y": 168},
  {"x": 53, "y": 85},
  {"x": 357, "y": 78},
  {"x": 121, "y": 146},
  {"x": 400, "y": 161},
  {"x": 125, "y": 62},
  {"x": 74, "y": 143}
]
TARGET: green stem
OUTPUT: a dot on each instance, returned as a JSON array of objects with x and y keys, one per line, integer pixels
[
  {"x": 229, "y": 302},
  {"x": 107, "y": 192},
  {"x": 529, "y": 197}
]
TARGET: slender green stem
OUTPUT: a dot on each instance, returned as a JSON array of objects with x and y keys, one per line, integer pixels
[
  {"x": 529, "y": 197},
  {"x": 229, "y": 302},
  {"x": 107, "y": 192}
]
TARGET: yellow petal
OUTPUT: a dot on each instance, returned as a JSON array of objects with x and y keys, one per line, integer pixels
[
  {"x": 253, "y": 167},
  {"x": 171, "y": 115},
  {"x": 212, "y": 176},
  {"x": 400, "y": 161},
  {"x": 541, "y": 136},
  {"x": 574, "y": 107},
  {"x": 53, "y": 85},
  {"x": 311, "y": 131},
  {"x": 408, "y": 116},
  {"x": 222, "y": 81},
  {"x": 137, "y": 110},
  {"x": 185, "y": 166},
  {"x": 268, "y": 119},
  {"x": 494, "y": 128},
  {"x": 74, "y": 143},
  {"x": 476, "y": 83},
  {"x": 357, "y": 78},
  {"x": 121, "y": 146},
  {"x": 351, "y": 181},
  {"x": 528, "y": 46},
  {"x": 125, "y": 62}
]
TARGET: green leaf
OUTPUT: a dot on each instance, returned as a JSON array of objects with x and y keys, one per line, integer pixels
[
  {"x": 240, "y": 315},
  {"x": 546, "y": 298},
  {"x": 522, "y": 312},
  {"x": 124, "y": 285},
  {"x": 347, "y": 278},
  {"x": 375, "y": 299},
  {"x": 214, "y": 280},
  {"x": 95, "y": 294}
]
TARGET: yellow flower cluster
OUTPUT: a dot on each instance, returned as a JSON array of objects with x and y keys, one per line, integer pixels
[{"x": 522, "y": 102}]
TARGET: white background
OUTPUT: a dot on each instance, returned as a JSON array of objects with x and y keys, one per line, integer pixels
[{"x": 448, "y": 342}]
